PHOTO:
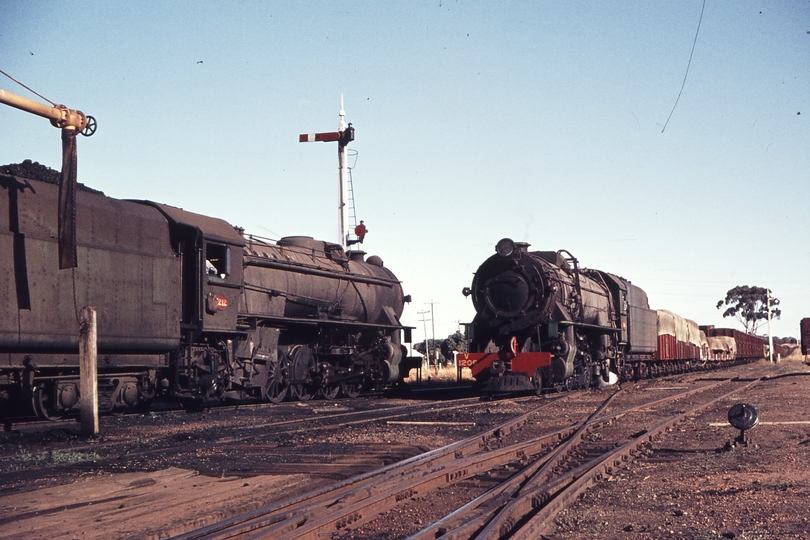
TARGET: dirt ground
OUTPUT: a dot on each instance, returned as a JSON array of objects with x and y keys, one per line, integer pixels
[{"x": 688, "y": 485}]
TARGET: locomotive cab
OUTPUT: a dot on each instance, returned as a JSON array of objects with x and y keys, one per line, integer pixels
[
  {"x": 211, "y": 283},
  {"x": 210, "y": 250},
  {"x": 221, "y": 287}
]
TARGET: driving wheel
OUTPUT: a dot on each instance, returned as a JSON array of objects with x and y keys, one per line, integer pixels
[
  {"x": 278, "y": 379},
  {"x": 301, "y": 366}
]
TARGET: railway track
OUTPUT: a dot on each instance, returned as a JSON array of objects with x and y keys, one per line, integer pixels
[
  {"x": 525, "y": 506},
  {"x": 172, "y": 406},
  {"x": 248, "y": 435},
  {"x": 535, "y": 475}
]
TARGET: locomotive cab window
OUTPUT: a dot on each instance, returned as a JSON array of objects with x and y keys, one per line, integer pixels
[{"x": 217, "y": 261}]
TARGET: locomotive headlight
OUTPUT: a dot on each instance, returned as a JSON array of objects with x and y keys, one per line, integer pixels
[{"x": 505, "y": 247}]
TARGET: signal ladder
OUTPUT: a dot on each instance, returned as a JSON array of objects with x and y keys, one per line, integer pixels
[{"x": 350, "y": 201}]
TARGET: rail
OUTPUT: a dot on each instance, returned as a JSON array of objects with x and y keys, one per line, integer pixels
[{"x": 552, "y": 469}]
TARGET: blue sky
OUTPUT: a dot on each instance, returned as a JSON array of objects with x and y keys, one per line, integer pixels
[{"x": 539, "y": 121}]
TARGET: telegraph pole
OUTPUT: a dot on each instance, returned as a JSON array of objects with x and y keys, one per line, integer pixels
[
  {"x": 770, "y": 333},
  {"x": 433, "y": 327},
  {"x": 424, "y": 326}
]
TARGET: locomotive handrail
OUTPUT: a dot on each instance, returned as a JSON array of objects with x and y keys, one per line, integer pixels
[
  {"x": 224, "y": 284},
  {"x": 316, "y": 271},
  {"x": 576, "y": 273},
  {"x": 314, "y": 322},
  {"x": 260, "y": 240},
  {"x": 593, "y": 326},
  {"x": 274, "y": 292}
]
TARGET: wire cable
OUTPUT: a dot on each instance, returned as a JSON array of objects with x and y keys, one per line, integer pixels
[
  {"x": 687, "y": 66},
  {"x": 32, "y": 91}
]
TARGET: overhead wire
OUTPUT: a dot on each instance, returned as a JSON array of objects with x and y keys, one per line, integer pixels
[
  {"x": 687, "y": 67},
  {"x": 27, "y": 88}
]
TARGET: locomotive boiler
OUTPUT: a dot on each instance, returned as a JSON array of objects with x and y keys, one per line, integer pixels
[
  {"x": 543, "y": 322},
  {"x": 188, "y": 306}
]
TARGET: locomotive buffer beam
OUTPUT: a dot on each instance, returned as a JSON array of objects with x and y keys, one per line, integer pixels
[{"x": 518, "y": 377}]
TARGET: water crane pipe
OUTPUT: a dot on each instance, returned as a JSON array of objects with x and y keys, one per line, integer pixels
[
  {"x": 59, "y": 115},
  {"x": 71, "y": 122}
]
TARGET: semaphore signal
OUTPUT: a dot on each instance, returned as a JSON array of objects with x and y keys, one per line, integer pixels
[{"x": 344, "y": 135}]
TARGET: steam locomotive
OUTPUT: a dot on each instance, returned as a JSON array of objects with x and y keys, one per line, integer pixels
[
  {"x": 544, "y": 322},
  {"x": 188, "y": 306}
]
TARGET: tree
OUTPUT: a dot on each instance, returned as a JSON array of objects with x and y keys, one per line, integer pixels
[
  {"x": 427, "y": 349},
  {"x": 454, "y": 342},
  {"x": 750, "y": 306},
  {"x": 457, "y": 342}
]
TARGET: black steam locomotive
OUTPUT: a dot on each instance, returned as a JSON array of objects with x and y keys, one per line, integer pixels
[
  {"x": 188, "y": 306},
  {"x": 543, "y": 322}
]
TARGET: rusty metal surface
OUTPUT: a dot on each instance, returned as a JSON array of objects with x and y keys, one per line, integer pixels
[
  {"x": 748, "y": 345},
  {"x": 127, "y": 271}
]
